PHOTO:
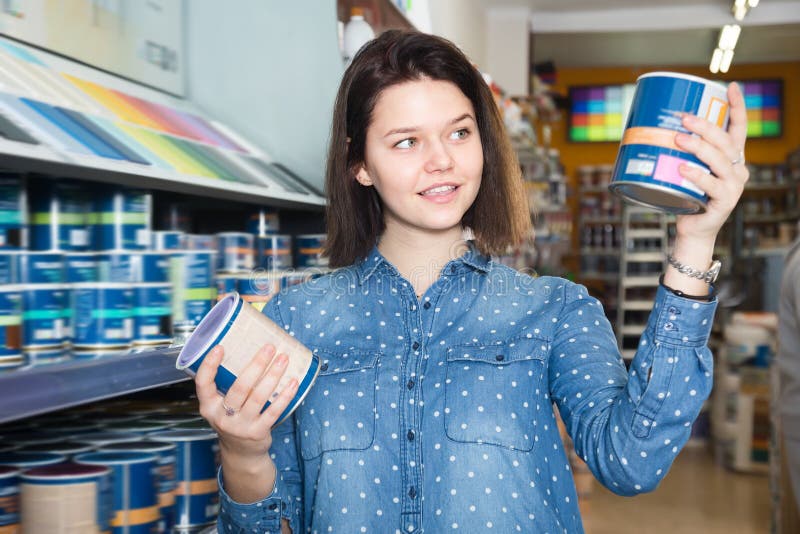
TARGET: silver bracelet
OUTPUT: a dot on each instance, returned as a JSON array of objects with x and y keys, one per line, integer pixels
[{"x": 708, "y": 276}]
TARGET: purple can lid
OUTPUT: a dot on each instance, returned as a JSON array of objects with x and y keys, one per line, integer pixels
[
  {"x": 208, "y": 331},
  {"x": 65, "y": 470}
]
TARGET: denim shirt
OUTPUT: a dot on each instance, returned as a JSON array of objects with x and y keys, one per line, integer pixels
[{"x": 436, "y": 414}]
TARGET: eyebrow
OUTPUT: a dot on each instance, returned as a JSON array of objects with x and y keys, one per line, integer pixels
[{"x": 410, "y": 129}]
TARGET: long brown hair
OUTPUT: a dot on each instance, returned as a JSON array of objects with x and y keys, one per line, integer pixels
[{"x": 499, "y": 217}]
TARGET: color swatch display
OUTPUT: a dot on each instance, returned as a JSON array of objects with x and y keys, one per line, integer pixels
[
  {"x": 763, "y": 100},
  {"x": 598, "y": 113}
]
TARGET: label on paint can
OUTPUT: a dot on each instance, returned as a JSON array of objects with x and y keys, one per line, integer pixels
[
  {"x": 275, "y": 251},
  {"x": 9, "y": 499},
  {"x": 193, "y": 285},
  {"x": 646, "y": 170},
  {"x": 114, "y": 267},
  {"x": 167, "y": 240},
  {"x": 309, "y": 250},
  {"x": 59, "y": 216},
  {"x": 152, "y": 313},
  {"x": 44, "y": 319},
  {"x": 41, "y": 268},
  {"x": 121, "y": 220},
  {"x": 13, "y": 212},
  {"x": 103, "y": 315},
  {"x": 81, "y": 267},
  {"x": 234, "y": 251},
  {"x": 150, "y": 267}
]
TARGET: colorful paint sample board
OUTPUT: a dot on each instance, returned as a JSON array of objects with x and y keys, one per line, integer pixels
[
  {"x": 763, "y": 100},
  {"x": 598, "y": 113}
]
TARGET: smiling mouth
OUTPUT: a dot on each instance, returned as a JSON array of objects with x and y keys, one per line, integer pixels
[{"x": 441, "y": 190}]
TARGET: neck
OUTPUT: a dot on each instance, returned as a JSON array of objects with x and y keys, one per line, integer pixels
[{"x": 420, "y": 256}]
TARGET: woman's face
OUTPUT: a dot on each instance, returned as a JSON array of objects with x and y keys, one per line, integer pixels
[{"x": 423, "y": 156}]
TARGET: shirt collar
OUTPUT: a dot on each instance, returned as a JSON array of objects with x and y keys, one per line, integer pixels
[{"x": 471, "y": 258}]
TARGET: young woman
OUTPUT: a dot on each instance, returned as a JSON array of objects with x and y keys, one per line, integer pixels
[{"x": 433, "y": 410}]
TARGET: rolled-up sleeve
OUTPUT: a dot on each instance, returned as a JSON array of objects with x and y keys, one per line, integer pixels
[{"x": 628, "y": 426}]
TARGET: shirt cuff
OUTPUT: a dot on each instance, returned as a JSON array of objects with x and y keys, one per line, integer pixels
[
  {"x": 681, "y": 321},
  {"x": 263, "y": 515}
]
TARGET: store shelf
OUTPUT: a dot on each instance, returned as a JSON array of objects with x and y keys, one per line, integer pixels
[
  {"x": 600, "y": 251},
  {"x": 601, "y": 220},
  {"x": 27, "y": 392},
  {"x": 643, "y": 257},
  {"x": 768, "y": 219},
  {"x": 751, "y": 186},
  {"x": 638, "y": 305},
  {"x": 640, "y": 281},
  {"x": 645, "y": 233},
  {"x": 606, "y": 277}
]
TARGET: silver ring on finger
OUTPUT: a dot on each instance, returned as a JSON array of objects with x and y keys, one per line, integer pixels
[
  {"x": 739, "y": 159},
  {"x": 230, "y": 412}
]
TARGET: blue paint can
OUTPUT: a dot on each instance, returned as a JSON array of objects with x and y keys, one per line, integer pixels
[
  {"x": 13, "y": 212},
  {"x": 646, "y": 171},
  {"x": 58, "y": 221},
  {"x": 234, "y": 252},
  {"x": 196, "y": 492},
  {"x": 135, "y": 496},
  {"x": 81, "y": 267},
  {"x": 152, "y": 313},
  {"x": 103, "y": 315},
  {"x": 120, "y": 219},
  {"x": 9, "y": 499},
  {"x": 115, "y": 267},
  {"x": 165, "y": 454},
  {"x": 150, "y": 266},
  {"x": 265, "y": 222},
  {"x": 194, "y": 289},
  {"x": 241, "y": 329},
  {"x": 46, "y": 315},
  {"x": 259, "y": 287},
  {"x": 42, "y": 268},
  {"x": 10, "y": 322},
  {"x": 168, "y": 240},
  {"x": 309, "y": 250},
  {"x": 9, "y": 266},
  {"x": 84, "y": 494},
  {"x": 226, "y": 283},
  {"x": 275, "y": 251}
]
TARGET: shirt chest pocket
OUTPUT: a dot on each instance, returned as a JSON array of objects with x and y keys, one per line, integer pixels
[
  {"x": 494, "y": 395},
  {"x": 338, "y": 413}
]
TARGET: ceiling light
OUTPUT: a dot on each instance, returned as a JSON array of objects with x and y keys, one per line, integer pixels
[
  {"x": 729, "y": 36},
  {"x": 716, "y": 60},
  {"x": 752, "y": 3},
  {"x": 739, "y": 12},
  {"x": 727, "y": 57},
  {"x": 739, "y": 3}
]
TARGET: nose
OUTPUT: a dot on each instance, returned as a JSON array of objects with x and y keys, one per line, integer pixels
[{"x": 438, "y": 157}]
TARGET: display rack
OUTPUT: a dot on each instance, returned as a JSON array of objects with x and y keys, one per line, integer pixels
[{"x": 28, "y": 392}]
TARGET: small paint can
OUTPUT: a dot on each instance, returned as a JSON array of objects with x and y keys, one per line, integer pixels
[
  {"x": 259, "y": 287},
  {"x": 58, "y": 219},
  {"x": 243, "y": 330},
  {"x": 275, "y": 251},
  {"x": 83, "y": 494},
  {"x": 193, "y": 285},
  {"x": 135, "y": 496},
  {"x": 9, "y": 499},
  {"x": 103, "y": 315},
  {"x": 309, "y": 250},
  {"x": 265, "y": 222},
  {"x": 10, "y": 322},
  {"x": 115, "y": 266},
  {"x": 41, "y": 268},
  {"x": 45, "y": 315},
  {"x": 13, "y": 212},
  {"x": 150, "y": 266},
  {"x": 168, "y": 240},
  {"x": 152, "y": 313},
  {"x": 9, "y": 266},
  {"x": 196, "y": 491},
  {"x": 29, "y": 460},
  {"x": 120, "y": 219},
  {"x": 234, "y": 251},
  {"x": 200, "y": 242},
  {"x": 81, "y": 267},
  {"x": 646, "y": 170},
  {"x": 165, "y": 454},
  {"x": 46, "y": 356}
]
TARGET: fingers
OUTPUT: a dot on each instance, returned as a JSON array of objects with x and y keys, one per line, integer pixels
[
  {"x": 204, "y": 379},
  {"x": 738, "y": 117},
  {"x": 698, "y": 176},
  {"x": 265, "y": 389},
  {"x": 280, "y": 403},
  {"x": 237, "y": 395}
]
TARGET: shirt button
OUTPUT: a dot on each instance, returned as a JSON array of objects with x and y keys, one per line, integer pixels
[
  {"x": 413, "y": 307},
  {"x": 272, "y": 507},
  {"x": 323, "y": 367},
  {"x": 412, "y": 493},
  {"x": 410, "y": 384},
  {"x": 415, "y": 346},
  {"x": 499, "y": 357},
  {"x": 668, "y": 326},
  {"x": 427, "y": 304},
  {"x": 410, "y": 435}
]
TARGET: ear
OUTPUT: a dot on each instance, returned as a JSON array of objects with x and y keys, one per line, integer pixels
[{"x": 363, "y": 176}]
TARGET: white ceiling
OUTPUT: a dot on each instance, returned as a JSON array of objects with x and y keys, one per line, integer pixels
[{"x": 645, "y": 32}]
